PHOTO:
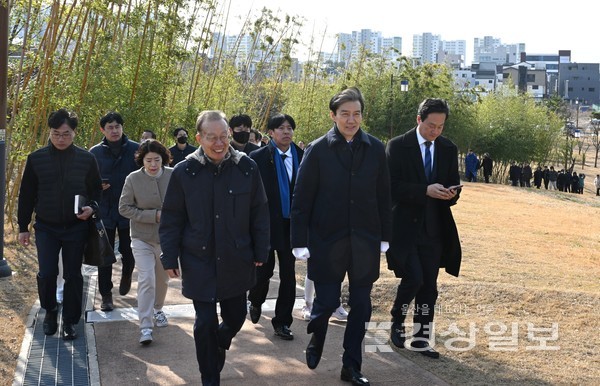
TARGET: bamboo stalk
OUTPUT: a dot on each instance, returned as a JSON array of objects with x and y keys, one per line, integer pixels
[
  {"x": 139, "y": 60},
  {"x": 86, "y": 70}
]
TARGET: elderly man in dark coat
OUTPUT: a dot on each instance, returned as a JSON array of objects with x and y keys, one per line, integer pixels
[
  {"x": 215, "y": 224},
  {"x": 341, "y": 222},
  {"x": 425, "y": 184}
]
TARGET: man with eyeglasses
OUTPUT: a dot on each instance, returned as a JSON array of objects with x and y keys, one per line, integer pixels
[
  {"x": 278, "y": 164},
  {"x": 116, "y": 159},
  {"x": 239, "y": 129},
  {"x": 215, "y": 226},
  {"x": 53, "y": 176}
]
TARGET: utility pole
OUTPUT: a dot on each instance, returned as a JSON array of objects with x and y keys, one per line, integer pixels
[{"x": 5, "y": 270}]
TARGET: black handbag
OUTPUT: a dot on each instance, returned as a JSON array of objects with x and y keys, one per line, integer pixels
[{"x": 98, "y": 250}]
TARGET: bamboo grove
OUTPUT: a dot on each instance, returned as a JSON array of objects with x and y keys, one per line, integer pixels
[{"x": 160, "y": 63}]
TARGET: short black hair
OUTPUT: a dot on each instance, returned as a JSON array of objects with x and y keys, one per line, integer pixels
[
  {"x": 433, "y": 105},
  {"x": 152, "y": 146},
  {"x": 240, "y": 120},
  {"x": 257, "y": 134},
  {"x": 60, "y": 117},
  {"x": 350, "y": 94},
  {"x": 111, "y": 116},
  {"x": 152, "y": 134},
  {"x": 177, "y": 130},
  {"x": 277, "y": 120}
]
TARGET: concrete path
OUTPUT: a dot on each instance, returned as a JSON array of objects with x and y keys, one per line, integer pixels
[{"x": 256, "y": 357}]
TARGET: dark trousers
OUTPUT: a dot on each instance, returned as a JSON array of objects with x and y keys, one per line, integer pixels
[
  {"x": 287, "y": 286},
  {"x": 49, "y": 241},
  {"x": 209, "y": 335},
  {"x": 326, "y": 301},
  {"x": 105, "y": 284},
  {"x": 419, "y": 283},
  {"x": 487, "y": 178}
]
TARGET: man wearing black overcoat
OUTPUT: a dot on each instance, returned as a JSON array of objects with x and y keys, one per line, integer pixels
[
  {"x": 425, "y": 184},
  {"x": 278, "y": 164},
  {"x": 341, "y": 222}
]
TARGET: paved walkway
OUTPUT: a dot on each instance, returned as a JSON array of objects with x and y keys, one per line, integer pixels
[{"x": 107, "y": 351}]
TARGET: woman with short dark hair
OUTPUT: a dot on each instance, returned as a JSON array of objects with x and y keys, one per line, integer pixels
[{"x": 141, "y": 202}]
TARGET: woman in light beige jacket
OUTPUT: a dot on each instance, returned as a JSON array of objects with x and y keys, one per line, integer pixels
[{"x": 141, "y": 202}]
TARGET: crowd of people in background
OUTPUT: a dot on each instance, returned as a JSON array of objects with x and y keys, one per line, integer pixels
[{"x": 521, "y": 174}]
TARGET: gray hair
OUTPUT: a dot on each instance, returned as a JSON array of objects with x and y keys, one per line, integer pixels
[{"x": 209, "y": 116}]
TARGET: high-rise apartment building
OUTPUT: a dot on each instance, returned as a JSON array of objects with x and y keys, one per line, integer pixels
[
  {"x": 351, "y": 45},
  {"x": 426, "y": 47},
  {"x": 490, "y": 49}
]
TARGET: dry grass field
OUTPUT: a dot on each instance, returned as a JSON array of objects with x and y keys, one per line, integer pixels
[
  {"x": 530, "y": 272},
  {"x": 531, "y": 261}
]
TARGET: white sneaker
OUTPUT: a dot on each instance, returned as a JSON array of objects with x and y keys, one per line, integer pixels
[
  {"x": 306, "y": 313},
  {"x": 161, "y": 319},
  {"x": 146, "y": 336},
  {"x": 340, "y": 313}
]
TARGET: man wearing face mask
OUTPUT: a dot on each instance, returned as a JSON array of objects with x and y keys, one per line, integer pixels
[
  {"x": 239, "y": 129},
  {"x": 181, "y": 149}
]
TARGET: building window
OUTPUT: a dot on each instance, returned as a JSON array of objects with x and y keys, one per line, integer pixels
[
  {"x": 530, "y": 78},
  {"x": 534, "y": 86},
  {"x": 592, "y": 89}
]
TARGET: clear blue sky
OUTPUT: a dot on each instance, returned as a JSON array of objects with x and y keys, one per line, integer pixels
[{"x": 543, "y": 27}]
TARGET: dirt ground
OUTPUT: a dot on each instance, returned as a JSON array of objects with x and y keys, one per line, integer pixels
[
  {"x": 17, "y": 295},
  {"x": 525, "y": 309}
]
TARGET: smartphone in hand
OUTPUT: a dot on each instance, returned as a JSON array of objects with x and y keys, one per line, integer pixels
[{"x": 454, "y": 187}]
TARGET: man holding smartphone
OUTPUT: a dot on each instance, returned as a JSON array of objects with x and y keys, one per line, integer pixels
[{"x": 425, "y": 183}]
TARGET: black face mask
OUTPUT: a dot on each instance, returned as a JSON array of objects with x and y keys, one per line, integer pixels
[
  {"x": 182, "y": 140},
  {"x": 241, "y": 136}
]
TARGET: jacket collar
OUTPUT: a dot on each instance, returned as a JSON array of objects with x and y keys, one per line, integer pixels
[
  {"x": 199, "y": 155},
  {"x": 124, "y": 141},
  {"x": 334, "y": 137}
]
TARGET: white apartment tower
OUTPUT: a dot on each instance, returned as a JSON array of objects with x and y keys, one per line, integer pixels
[
  {"x": 490, "y": 49},
  {"x": 426, "y": 47},
  {"x": 350, "y": 45}
]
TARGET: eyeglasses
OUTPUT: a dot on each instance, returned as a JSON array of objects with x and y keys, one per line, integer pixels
[
  {"x": 66, "y": 135},
  {"x": 213, "y": 138}
]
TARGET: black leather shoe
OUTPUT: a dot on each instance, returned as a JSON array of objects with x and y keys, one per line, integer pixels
[
  {"x": 314, "y": 350},
  {"x": 424, "y": 348},
  {"x": 50, "y": 324},
  {"x": 107, "y": 303},
  {"x": 254, "y": 313},
  {"x": 350, "y": 374},
  {"x": 397, "y": 335},
  {"x": 125, "y": 285},
  {"x": 221, "y": 360},
  {"x": 284, "y": 333},
  {"x": 68, "y": 332}
]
